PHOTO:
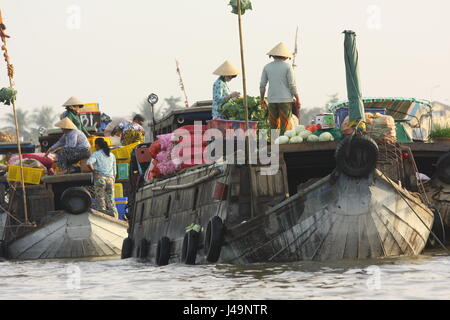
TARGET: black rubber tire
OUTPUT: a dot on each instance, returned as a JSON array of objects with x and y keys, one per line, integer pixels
[
  {"x": 190, "y": 246},
  {"x": 443, "y": 168},
  {"x": 143, "y": 249},
  {"x": 163, "y": 252},
  {"x": 214, "y": 239},
  {"x": 127, "y": 248},
  {"x": 76, "y": 200},
  {"x": 438, "y": 227},
  {"x": 358, "y": 161}
]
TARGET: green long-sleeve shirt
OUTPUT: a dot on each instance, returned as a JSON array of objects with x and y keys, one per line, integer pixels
[{"x": 75, "y": 118}]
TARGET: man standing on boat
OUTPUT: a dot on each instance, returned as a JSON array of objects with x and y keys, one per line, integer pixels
[{"x": 282, "y": 89}]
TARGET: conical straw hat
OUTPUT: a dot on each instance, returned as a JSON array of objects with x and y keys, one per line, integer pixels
[
  {"x": 280, "y": 50},
  {"x": 73, "y": 101},
  {"x": 65, "y": 123},
  {"x": 227, "y": 69}
]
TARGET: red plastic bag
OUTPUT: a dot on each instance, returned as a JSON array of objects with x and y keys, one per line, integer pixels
[{"x": 155, "y": 148}]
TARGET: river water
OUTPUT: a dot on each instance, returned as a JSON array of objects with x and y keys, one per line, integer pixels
[{"x": 423, "y": 277}]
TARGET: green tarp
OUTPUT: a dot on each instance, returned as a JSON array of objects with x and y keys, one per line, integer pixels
[{"x": 356, "y": 106}]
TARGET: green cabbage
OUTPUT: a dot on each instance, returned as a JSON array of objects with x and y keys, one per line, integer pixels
[
  {"x": 313, "y": 138},
  {"x": 305, "y": 134},
  {"x": 296, "y": 139},
  {"x": 282, "y": 140},
  {"x": 326, "y": 136}
]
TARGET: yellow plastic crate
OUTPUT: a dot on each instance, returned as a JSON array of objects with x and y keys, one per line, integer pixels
[
  {"x": 123, "y": 154},
  {"x": 92, "y": 139},
  {"x": 30, "y": 175},
  {"x": 118, "y": 190}
]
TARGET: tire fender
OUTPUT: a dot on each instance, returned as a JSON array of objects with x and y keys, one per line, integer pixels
[
  {"x": 214, "y": 239},
  {"x": 357, "y": 156},
  {"x": 190, "y": 246},
  {"x": 163, "y": 252},
  {"x": 127, "y": 248},
  {"x": 76, "y": 200}
]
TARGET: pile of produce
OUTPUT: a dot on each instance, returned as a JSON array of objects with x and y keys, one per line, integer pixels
[
  {"x": 301, "y": 134},
  {"x": 234, "y": 110},
  {"x": 165, "y": 162},
  {"x": 7, "y": 95},
  {"x": 7, "y": 137},
  {"x": 379, "y": 127}
]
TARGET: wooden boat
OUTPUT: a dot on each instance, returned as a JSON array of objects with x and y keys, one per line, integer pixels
[
  {"x": 65, "y": 235},
  {"x": 56, "y": 233},
  {"x": 308, "y": 210}
]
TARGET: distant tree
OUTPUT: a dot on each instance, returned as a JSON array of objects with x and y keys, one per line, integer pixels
[
  {"x": 307, "y": 115},
  {"x": 24, "y": 124},
  {"x": 333, "y": 98},
  {"x": 173, "y": 102},
  {"x": 44, "y": 117}
]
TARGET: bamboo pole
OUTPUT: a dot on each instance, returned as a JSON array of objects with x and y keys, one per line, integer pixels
[
  {"x": 19, "y": 147},
  {"x": 244, "y": 84}
]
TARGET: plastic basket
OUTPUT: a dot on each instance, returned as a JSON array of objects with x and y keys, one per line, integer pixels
[
  {"x": 30, "y": 175},
  {"x": 121, "y": 205},
  {"x": 123, "y": 154},
  {"x": 123, "y": 171},
  {"x": 118, "y": 190}
]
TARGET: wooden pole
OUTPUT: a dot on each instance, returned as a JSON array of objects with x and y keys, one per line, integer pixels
[
  {"x": 19, "y": 147},
  {"x": 244, "y": 84},
  {"x": 183, "y": 88},
  {"x": 244, "y": 79}
]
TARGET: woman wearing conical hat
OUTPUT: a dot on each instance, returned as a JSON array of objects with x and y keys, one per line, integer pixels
[
  {"x": 282, "y": 88},
  {"x": 221, "y": 92},
  {"x": 72, "y": 147},
  {"x": 73, "y": 107}
]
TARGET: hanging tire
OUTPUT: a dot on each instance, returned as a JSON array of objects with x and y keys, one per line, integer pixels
[
  {"x": 190, "y": 245},
  {"x": 127, "y": 248},
  {"x": 214, "y": 239},
  {"x": 163, "y": 252},
  {"x": 143, "y": 249},
  {"x": 357, "y": 156},
  {"x": 443, "y": 168},
  {"x": 76, "y": 200}
]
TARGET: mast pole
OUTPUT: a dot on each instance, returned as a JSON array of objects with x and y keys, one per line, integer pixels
[{"x": 10, "y": 68}]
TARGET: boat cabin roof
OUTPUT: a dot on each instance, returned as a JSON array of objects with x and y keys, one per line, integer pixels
[
  {"x": 199, "y": 111},
  {"x": 26, "y": 147},
  {"x": 405, "y": 109}
]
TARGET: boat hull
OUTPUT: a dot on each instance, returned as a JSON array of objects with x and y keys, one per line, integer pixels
[
  {"x": 71, "y": 236},
  {"x": 336, "y": 218}
]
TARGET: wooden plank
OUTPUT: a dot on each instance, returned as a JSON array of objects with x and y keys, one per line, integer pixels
[
  {"x": 363, "y": 239},
  {"x": 75, "y": 177},
  {"x": 23, "y": 244}
]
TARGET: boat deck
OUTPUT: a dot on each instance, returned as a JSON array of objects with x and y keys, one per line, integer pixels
[{"x": 313, "y": 160}]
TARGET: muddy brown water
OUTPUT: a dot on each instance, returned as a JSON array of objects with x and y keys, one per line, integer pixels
[{"x": 423, "y": 277}]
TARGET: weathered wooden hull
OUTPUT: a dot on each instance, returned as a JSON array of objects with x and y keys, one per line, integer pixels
[
  {"x": 71, "y": 236},
  {"x": 439, "y": 194},
  {"x": 336, "y": 218}
]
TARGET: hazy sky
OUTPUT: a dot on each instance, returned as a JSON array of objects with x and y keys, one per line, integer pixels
[{"x": 117, "y": 52}]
